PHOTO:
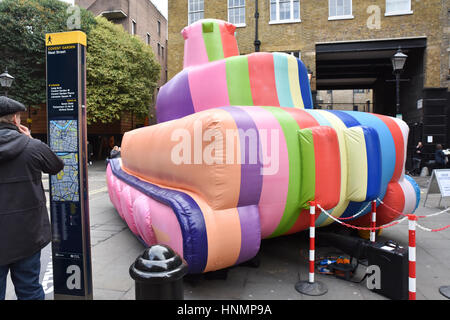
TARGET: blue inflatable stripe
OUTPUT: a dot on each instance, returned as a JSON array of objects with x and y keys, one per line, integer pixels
[
  {"x": 373, "y": 153},
  {"x": 387, "y": 156},
  {"x": 188, "y": 213},
  {"x": 305, "y": 88},
  {"x": 386, "y": 143},
  {"x": 373, "y": 163},
  {"x": 416, "y": 189},
  {"x": 282, "y": 80},
  {"x": 347, "y": 119},
  {"x": 319, "y": 118}
]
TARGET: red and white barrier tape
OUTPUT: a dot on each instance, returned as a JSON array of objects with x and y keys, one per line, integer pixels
[
  {"x": 361, "y": 228},
  {"x": 432, "y": 230},
  {"x": 412, "y": 223},
  {"x": 420, "y": 217},
  {"x": 356, "y": 214}
]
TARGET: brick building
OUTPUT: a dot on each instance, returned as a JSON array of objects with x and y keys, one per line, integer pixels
[
  {"x": 348, "y": 99},
  {"x": 138, "y": 17},
  {"x": 143, "y": 19},
  {"x": 347, "y": 45}
]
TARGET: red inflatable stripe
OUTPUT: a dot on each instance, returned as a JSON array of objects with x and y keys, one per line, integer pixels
[
  {"x": 229, "y": 44},
  {"x": 328, "y": 166},
  {"x": 399, "y": 145},
  {"x": 262, "y": 80}
]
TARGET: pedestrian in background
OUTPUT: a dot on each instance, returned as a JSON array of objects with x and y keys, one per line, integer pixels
[
  {"x": 90, "y": 151},
  {"x": 115, "y": 152},
  {"x": 24, "y": 222},
  {"x": 439, "y": 157},
  {"x": 417, "y": 158}
]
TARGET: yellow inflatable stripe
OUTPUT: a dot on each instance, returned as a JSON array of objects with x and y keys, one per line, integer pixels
[
  {"x": 357, "y": 164},
  {"x": 340, "y": 127},
  {"x": 294, "y": 82}
]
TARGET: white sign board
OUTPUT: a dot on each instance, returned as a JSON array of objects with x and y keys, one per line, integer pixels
[
  {"x": 439, "y": 183},
  {"x": 443, "y": 179},
  {"x": 420, "y": 104}
]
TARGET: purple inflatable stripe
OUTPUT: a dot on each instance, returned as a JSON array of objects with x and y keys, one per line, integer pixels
[
  {"x": 251, "y": 178},
  {"x": 174, "y": 99},
  {"x": 250, "y": 232}
]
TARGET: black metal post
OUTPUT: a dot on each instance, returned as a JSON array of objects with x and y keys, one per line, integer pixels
[
  {"x": 257, "y": 42},
  {"x": 158, "y": 274},
  {"x": 397, "y": 83}
]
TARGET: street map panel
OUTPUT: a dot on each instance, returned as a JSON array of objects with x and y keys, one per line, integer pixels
[
  {"x": 65, "y": 185},
  {"x": 63, "y": 135}
]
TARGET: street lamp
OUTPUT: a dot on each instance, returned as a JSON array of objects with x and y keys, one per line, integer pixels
[
  {"x": 398, "y": 62},
  {"x": 6, "y": 81}
]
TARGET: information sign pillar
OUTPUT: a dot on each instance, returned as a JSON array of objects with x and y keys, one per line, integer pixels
[{"x": 67, "y": 137}]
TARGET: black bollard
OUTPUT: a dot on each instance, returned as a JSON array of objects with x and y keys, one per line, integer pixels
[{"x": 158, "y": 274}]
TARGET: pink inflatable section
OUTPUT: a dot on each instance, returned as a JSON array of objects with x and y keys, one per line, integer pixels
[{"x": 148, "y": 219}]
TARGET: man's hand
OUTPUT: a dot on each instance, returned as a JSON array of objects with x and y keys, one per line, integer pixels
[{"x": 23, "y": 129}]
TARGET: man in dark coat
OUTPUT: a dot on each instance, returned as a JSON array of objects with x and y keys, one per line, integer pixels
[
  {"x": 417, "y": 158},
  {"x": 24, "y": 221}
]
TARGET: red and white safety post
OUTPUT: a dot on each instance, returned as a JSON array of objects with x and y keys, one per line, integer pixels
[
  {"x": 412, "y": 219},
  {"x": 312, "y": 236},
  {"x": 311, "y": 287},
  {"x": 373, "y": 223}
]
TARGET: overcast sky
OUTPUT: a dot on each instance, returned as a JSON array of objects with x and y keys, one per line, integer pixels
[{"x": 160, "y": 4}]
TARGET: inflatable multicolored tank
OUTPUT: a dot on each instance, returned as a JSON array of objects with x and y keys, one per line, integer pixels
[{"x": 238, "y": 153}]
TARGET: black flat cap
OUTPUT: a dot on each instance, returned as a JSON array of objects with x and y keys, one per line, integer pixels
[{"x": 10, "y": 106}]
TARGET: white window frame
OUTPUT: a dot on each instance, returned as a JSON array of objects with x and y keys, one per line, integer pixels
[
  {"x": 133, "y": 27},
  {"x": 397, "y": 13},
  {"x": 148, "y": 38},
  {"x": 198, "y": 11},
  {"x": 238, "y": 25},
  {"x": 448, "y": 51},
  {"x": 341, "y": 17},
  {"x": 277, "y": 20}
]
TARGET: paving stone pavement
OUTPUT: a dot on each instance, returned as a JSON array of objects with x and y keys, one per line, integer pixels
[{"x": 283, "y": 260}]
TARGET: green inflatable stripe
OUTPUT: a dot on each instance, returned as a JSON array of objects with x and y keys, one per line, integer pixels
[
  {"x": 238, "y": 81},
  {"x": 292, "y": 208},
  {"x": 213, "y": 40},
  {"x": 308, "y": 175}
]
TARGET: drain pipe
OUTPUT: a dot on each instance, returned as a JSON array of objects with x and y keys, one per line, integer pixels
[{"x": 257, "y": 43}]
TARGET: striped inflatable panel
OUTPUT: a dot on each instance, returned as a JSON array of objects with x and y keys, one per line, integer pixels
[
  {"x": 237, "y": 157},
  {"x": 212, "y": 81}
]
